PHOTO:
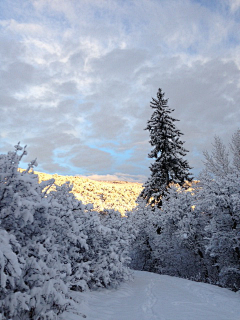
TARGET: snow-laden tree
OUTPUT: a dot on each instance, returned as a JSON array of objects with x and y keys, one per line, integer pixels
[
  {"x": 67, "y": 226},
  {"x": 142, "y": 217},
  {"x": 50, "y": 244},
  {"x": 35, "y": 287},
  {"x": 178, "y": 246},
  {"x": 217, "y": 162},
  {"x": 220, "y": 200},
  {"x": 195, "y": 233},
  {"x": 122, "y": 235},
  {"x": 11, "y": 268},
  {"x": 108, "y": 251},
  {"x": 168, "y": 152},
  {"x": 221, "y": 161},
  {"x": 235, "y": 149},
  {"x": 172, "y": 239}
]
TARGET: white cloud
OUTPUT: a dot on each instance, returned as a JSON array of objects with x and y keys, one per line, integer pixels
[
  {"x": 28, "y": 29},
  {"x": 77, "y": 74},
  {"x": 234, "y": 5}
]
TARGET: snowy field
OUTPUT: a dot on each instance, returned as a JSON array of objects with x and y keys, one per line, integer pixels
[{"x": 157, "y": 297}]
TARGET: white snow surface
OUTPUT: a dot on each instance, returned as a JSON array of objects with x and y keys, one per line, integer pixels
[{"x": 157, "y": 297}]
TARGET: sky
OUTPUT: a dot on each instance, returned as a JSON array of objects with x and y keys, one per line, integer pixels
[{"x": 77, "y": 78}]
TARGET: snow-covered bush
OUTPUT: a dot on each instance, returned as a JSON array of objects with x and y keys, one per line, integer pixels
[
  {"x": 11, "y": 266},
  {"x": 171, "y": 238},
  {"x": 33, "y": 286},
  {"x": 96, "y": 245},
  {"x": 50, "y": 243},
  {"x": 221, "y": 202},
  {"x": 196, "y": 233},
  {"x": 178, "y": 246},
  {"x": 142, "y": 218},
  {"x": 119, "y": 233}
]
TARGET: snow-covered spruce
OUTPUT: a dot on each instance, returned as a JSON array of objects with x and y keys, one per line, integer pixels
[
  {"x": 196, "y": 232},
  {"x": 168, "y": 151},
  {"x": 51, "y": 243}
]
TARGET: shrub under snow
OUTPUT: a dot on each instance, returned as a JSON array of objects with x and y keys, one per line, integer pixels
[
  {"x": 50, "y": 243},
  {"x": 196, "y": 233}
]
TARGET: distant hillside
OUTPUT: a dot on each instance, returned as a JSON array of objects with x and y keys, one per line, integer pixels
[{"x": 117, "y": 195}]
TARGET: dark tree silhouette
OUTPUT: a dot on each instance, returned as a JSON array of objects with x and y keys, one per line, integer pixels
[{"x": 169, "y": 166}]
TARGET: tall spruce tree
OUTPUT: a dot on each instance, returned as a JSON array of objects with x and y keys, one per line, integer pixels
[{"x": 169, "y": 166}]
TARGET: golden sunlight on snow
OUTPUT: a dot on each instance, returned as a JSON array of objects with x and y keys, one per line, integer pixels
[{"x": 117, "y": 195}]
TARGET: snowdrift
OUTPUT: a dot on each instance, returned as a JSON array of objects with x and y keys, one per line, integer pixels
[{"x": 158, "y": 297}]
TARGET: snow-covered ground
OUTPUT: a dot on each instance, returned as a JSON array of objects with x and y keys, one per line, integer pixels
[{"x": 157, "y": 297}]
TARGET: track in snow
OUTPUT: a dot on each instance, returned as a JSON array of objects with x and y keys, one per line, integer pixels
[{"x": 158, "y": 297}]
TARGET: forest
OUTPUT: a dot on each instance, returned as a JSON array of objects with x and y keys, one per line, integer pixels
[
  {"x": 104, "y": 195},
  {"x": 52, "y": 244}
]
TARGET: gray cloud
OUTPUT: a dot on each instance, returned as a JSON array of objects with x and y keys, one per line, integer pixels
[
  {"x": 76, "y": 79},
  {"x": 119, "y": 63},
  {"x": 92, "y": 160}
]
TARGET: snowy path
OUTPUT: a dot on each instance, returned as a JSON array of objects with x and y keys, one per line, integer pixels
[{"x": 156, "y": 297}]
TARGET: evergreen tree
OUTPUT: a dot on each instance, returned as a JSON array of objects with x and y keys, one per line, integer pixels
[{"x": 169, "y": 166}]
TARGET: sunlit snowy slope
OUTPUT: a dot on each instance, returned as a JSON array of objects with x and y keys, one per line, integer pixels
[{"x": 157, "y": 297}]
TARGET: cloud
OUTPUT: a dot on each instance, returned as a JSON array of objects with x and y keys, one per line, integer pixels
[
  {"x": 91, "y": 160},
  {"x": 234, "y": 5},
  {"x": 77, "y": 77}
]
